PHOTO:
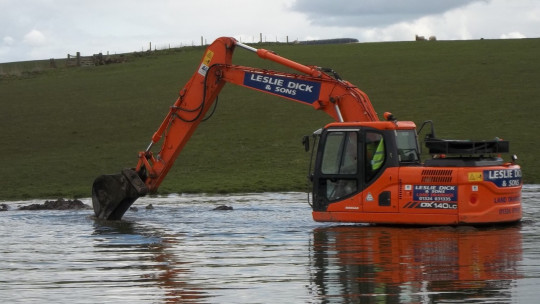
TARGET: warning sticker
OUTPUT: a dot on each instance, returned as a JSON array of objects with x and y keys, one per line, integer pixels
[
  {"x": 208, "y": 57},
  {"x": 475, "y": 176},
  {"x": 203, "y": 68}
]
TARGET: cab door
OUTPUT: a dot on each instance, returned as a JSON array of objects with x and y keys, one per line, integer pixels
[
  {"x": 338, "y": 170},
  {"x": 379, "y": 192}
]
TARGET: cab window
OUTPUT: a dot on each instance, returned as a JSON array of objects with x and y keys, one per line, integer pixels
[
  {"x": 339, "y": 165},
  {"x": 375, "y": 154},
  {"x": 407, "y": 146},
  {"x": 340, "y": 153}
]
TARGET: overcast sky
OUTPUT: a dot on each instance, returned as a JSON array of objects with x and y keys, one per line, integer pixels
[{"x": 42, "y": 29}]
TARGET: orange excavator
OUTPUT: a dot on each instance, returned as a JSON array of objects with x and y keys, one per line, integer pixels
[{"x": 363, "y": 170}]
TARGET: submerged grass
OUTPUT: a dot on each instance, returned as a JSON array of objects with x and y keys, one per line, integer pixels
[{"x": 61, "y": 128}]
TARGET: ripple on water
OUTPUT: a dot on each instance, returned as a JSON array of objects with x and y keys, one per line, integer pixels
[{"x": 266, "y": 250}]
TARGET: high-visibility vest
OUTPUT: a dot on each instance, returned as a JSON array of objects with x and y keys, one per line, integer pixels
[{"x": 378, "y": 157}]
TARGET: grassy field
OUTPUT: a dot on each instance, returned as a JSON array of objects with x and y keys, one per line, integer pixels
[{"x": 63, "y": 127}]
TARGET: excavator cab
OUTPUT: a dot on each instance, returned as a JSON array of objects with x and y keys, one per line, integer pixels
[
  {"x": 371, "y": 172},
  {"x": 351, "y": 157}
]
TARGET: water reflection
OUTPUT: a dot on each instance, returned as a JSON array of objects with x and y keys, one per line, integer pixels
[
  {"x": 266, "y": 250},
  {"x": 415, "y": 265},
  {"x": 149, "y": 254}
]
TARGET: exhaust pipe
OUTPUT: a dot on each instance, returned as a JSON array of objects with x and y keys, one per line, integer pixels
[{"x": 113, "y": 194}]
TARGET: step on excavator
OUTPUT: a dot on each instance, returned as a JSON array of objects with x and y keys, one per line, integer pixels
[{"x": 363, "y": 170}]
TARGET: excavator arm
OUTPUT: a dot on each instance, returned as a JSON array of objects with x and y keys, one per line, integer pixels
[{"x": 317, "y": 87}]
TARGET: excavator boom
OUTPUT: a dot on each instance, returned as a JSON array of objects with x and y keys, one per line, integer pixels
[{"x": 113, "y": 194}]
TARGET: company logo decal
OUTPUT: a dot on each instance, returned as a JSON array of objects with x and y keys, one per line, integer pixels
[
  {"x": 434, "y": 197},
  {"x": 300, "y": 90},
  {"x": 503, "y": 178}
]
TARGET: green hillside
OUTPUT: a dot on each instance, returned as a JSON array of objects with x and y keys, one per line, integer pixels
[{"x": 63, "y": 127}]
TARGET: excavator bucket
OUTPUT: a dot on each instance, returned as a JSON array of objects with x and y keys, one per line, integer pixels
[{"x": 112, "y": 195}]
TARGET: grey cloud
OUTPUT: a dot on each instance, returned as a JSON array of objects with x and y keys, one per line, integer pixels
[{"x": 372, "y": 13}]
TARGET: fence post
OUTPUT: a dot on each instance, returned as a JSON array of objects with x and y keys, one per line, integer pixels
[{"x": 78, "y": 59}]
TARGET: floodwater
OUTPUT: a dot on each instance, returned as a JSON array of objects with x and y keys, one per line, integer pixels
[{"x": 266, "y": 250}]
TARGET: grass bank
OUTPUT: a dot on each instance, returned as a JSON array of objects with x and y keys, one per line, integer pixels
[{"x": 63, "y": 127}]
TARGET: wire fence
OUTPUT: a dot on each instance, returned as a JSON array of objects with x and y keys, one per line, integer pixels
[{"x": 25, "y": 68}]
